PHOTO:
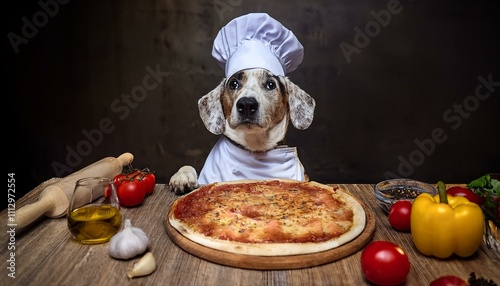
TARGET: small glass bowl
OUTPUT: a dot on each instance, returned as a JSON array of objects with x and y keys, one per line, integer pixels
[{"x": 390, "y": 191}]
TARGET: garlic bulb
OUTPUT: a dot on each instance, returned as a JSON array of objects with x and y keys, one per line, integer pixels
[
  {"x": 129, "y": 242},
  {"x": 145, "y": 266}
]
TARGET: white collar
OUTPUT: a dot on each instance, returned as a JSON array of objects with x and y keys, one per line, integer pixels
[{"x": 228, "y": 162}]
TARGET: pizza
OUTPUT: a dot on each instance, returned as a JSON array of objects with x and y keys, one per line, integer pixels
[{"x": 268, "y": 218}]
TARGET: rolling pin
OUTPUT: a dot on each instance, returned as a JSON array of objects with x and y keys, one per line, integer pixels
[{"x": 54, "y": 199}]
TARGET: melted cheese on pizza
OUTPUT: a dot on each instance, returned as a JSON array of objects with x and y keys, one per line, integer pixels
[{"x": 265, "y": 212}]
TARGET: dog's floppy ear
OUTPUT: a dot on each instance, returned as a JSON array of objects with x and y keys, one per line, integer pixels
[
  {"x": 301, "y": 106},
  {"x": 211, "y": 110}
]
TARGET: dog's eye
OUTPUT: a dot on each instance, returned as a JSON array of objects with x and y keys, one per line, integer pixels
[
  {"x": 233, "y": 84},
  {"x": 270, "y": 85}
]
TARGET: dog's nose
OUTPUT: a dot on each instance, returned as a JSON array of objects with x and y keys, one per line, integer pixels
[{"x": 247, "y": 106}]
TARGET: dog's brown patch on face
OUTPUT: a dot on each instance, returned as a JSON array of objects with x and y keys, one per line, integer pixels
[
  {"x": 231, "y": 88},
  {"x": 260, "y": 85}
]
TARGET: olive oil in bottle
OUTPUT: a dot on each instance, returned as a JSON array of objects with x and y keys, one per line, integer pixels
[{"x": 94, "y": 223}]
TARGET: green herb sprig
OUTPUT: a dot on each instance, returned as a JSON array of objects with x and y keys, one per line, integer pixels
[{"x": 487, "y": 188}]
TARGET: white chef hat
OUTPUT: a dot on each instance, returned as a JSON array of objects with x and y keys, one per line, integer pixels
[{"x": 256, "y": 40}]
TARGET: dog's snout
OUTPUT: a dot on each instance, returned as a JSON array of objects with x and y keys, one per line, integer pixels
[{"x": 247, "y": 106}]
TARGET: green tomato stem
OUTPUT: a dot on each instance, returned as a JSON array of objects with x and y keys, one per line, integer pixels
[{"x": 442, "y": 192}]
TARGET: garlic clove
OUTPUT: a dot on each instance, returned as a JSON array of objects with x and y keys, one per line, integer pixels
[
  {"x": 145, "y": 266},
  {"x": 129, "y": 242}
]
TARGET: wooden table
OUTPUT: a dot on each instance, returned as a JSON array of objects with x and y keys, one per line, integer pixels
[{"x": 45, "y": 254}]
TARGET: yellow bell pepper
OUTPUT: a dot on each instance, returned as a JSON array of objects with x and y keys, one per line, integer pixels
[{"x": 443, "y": 225}]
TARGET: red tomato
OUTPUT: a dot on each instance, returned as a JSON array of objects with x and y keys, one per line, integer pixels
[
  {"x": 136, "y": 185},
  {"x": 449, "y": 280},
  {"x": 107, "y": 192},
  {"x": 117, "y": 180},
  {"x": 385, "y": 263},
  {"x": 149, "y": 181},
  {"x": 131, "y": 193},
  {"x": 464, "y": 192},
  {"x": 400, "y": 215}
]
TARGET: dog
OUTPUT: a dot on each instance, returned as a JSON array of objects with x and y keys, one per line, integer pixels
[{"x": 252, "y": 109}]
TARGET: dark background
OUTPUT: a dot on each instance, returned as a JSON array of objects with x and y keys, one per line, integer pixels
[{"x": 375, "y": 115}]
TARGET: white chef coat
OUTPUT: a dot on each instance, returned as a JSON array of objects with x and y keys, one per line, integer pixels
[{"x": 228, "y": 162}]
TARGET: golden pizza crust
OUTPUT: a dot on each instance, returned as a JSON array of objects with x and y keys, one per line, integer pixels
[{"x": 278, "y": 249}]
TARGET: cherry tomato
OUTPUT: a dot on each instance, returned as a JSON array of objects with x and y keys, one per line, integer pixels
[
  {"x": 132, "y": 185},
  {"x": 385, "y": 263},
  {"x": 107, "y": 192},
  {"x": 400, "y": 215},
  {"x": 448, "y": 280},
  {"x": 131, "y": 193},
  {"x": 149, "y": 181},
  {"x": 117, "y": 180},
  {"x": 464, "y": 192}
]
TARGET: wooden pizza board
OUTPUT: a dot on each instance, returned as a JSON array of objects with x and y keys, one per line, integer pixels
[{"x": 275, "y": 262}]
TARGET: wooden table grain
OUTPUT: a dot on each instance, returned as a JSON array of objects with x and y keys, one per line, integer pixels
[{"x": 45, "y": 254}]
